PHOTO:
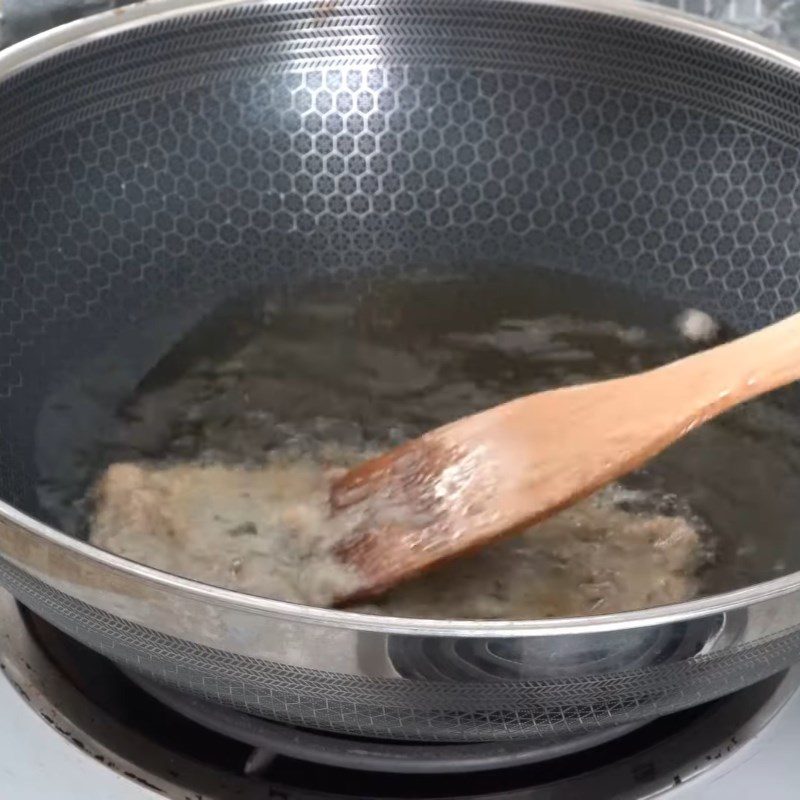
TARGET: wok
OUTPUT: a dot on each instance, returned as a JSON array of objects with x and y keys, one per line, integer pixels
[{"x": 157, "y": 159}]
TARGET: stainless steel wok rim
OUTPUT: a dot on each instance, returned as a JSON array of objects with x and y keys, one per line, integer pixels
[{"x": 37, "y": 49}]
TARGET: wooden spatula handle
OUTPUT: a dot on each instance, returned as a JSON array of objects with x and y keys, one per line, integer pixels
[{"x": 718, "y": 379}]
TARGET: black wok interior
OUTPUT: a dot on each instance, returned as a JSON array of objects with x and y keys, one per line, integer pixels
[{"x": 149, "y": 175}]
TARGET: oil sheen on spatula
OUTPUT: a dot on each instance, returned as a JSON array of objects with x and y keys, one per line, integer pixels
[{"x": 497, "y": 472}]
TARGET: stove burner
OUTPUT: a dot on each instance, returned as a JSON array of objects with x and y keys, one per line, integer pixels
[
  {"x": 158, "y": 742},
  {"x": 273, "y": 739}
]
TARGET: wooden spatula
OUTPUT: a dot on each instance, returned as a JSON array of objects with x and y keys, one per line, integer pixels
[{"x": 466, "y": 484}]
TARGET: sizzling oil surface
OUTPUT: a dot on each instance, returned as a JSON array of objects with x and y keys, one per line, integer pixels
[{"x": 304, "y": 381}]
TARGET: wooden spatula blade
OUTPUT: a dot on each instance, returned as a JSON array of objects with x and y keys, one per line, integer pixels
[
  {"x": 459, "y": 487},
  {"x": 417, "y": 506}
]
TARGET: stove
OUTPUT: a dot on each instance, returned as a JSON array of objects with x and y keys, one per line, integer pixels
[
  {"x": 73, "y": 723},
  {"x": 73, "y": 726}
]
